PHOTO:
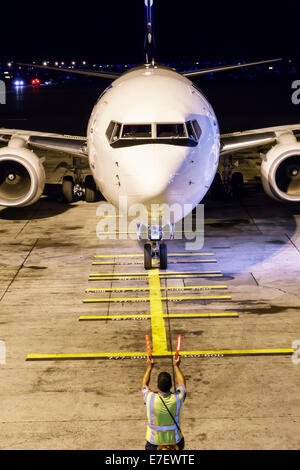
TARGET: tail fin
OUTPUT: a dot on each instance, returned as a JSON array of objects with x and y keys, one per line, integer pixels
[{"x": 149, "y": 35}]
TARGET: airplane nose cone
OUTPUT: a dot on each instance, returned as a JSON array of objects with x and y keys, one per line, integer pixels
[{"x": 150, "y": 176}]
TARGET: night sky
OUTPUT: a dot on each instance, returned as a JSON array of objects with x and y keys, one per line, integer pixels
[{"x": 113, "y": 31}]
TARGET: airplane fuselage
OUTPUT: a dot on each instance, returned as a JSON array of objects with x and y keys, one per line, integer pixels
[{"x": 153, "y": 138}]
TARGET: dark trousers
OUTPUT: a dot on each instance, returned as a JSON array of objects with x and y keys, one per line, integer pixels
[{"x": 150, "y": 446}]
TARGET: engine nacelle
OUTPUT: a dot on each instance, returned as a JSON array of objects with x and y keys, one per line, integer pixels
[
  {"x": 22, "y": 175},
  {"x": 280, "y": 170}
]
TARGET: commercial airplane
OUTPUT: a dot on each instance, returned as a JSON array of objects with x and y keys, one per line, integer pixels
[{"x": 153, "y": 138}]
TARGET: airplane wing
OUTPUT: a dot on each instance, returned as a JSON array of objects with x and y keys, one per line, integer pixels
[
  {"x": 222, "y": 68},
  {"x": 89, "y": 73},
  {"x": 238, "y": 141},
  {"x": 73, "y": 145}
]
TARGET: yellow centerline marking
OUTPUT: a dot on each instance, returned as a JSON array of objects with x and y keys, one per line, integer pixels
[{"x": 159, "y": 336}]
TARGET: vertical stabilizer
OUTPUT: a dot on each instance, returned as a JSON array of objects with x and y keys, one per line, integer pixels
[{"x": 149, "y": 35}]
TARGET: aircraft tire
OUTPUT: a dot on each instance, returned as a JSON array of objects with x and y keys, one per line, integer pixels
[
  {"x": 67, "y": 188},
  {"x": 163, "y": 256},
  {"x": 147, "y": 256},
  {"x": 90, "y": 189}
]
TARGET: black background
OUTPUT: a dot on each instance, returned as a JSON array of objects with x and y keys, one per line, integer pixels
[{"x": 113, "y": 31}]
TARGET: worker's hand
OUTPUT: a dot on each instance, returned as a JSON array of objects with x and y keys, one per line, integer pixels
[
  {"x": 150, "y": 361},
  {"x": 176, "y": 361}
]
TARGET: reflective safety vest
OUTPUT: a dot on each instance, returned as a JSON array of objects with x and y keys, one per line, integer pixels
[{"x": 161, "y": 429}]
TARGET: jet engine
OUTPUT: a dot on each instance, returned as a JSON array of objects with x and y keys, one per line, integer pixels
[
  {"x": 22, "y": 175},
  {"x": 280, "y": 169}
]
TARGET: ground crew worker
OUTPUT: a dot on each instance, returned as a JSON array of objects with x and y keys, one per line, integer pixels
[{"x": 164, "y": 409}]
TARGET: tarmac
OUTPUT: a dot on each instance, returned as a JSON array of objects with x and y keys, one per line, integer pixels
[{"x": 233, "y": 402}]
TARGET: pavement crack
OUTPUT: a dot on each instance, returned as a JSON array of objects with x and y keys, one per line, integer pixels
[{"x": 19, "y": 269}]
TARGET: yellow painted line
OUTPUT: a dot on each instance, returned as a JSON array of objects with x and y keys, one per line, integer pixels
[
  {"x": 148, "y": 317},
  {"x": 118, "y": 263},
  {"x": 141, "y": 255},
  {"x": 162, "y": 276},
  {"x": 145, "y": 273},
  {"x": 112, "y": 216},
  {"x": 203, "y": 315},
  {"x": 139, "y": 355},
  {"x": 115, "y": 317},
  {"x": 143, "y": 289},
  {"x": 191, "y": 254},
  {"x": 239, "y": 352},
  {"x": 114, "y": 355},
  {"x": 159, "y": 336},
  {"x": 123, "y": 299},
  {"x": 198, "y": 297},
  {"x": 147, "y": 299},
  {"x": 145, "y": 233}
]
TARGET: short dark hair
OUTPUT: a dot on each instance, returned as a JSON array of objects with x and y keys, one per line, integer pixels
[{"x": 164, "y": 382}]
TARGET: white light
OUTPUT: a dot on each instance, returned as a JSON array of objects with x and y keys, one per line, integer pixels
[
  {"x": 84, "y": 62},
  {"x": 73, "y": 62},
  {"x": 62, "y": 63},
  {"x": 9, "y": 64},
  {"x": 45, "y": 63},
  {"x": 56, "y": 63}
]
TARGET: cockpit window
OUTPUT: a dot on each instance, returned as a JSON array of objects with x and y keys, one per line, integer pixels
[
  {"x": 136, "y": 131},
  {"x": 124, "y": 135},
  {"x": 191, "y": 131},
  {"x": 110, "y": 129},
  {"x": 116, "y": 133},
  {"x": 170, "y": 130},
  {"x": 197, "y": 129},
  {"x": 113, "y": 131}
]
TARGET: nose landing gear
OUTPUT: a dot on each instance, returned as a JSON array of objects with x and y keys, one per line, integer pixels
[{"x": 155, "y": 248}]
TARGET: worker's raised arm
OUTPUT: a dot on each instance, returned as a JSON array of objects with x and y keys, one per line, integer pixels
[
  {"x": 180, "y": 380},
  {"x": 147, "y": 376}
]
